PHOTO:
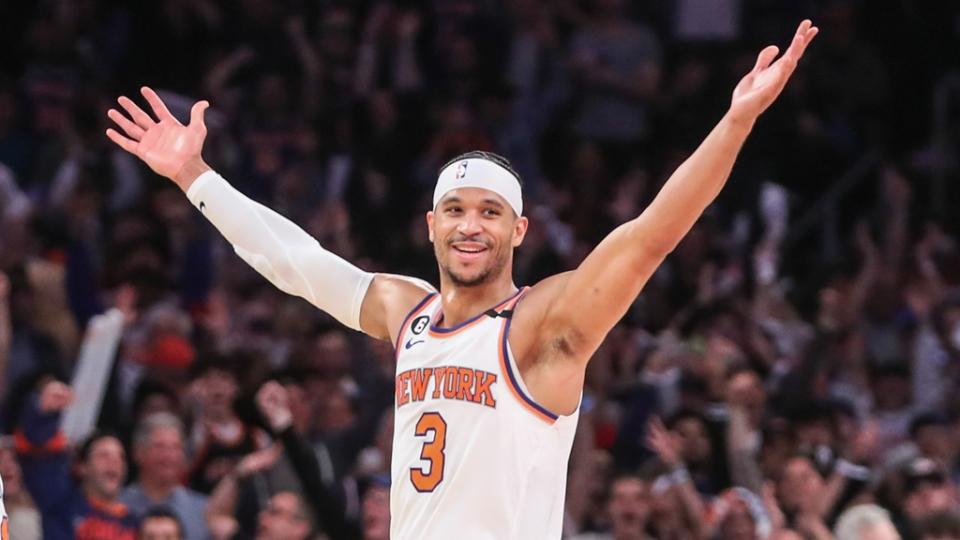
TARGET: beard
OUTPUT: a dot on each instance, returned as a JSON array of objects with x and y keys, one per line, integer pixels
[
  {"x": 462, "y": 281},
  {"x": 487, "y": 274}
]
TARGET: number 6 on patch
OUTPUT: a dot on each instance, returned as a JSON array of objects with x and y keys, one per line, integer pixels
[{"x": 432, "y": 452}]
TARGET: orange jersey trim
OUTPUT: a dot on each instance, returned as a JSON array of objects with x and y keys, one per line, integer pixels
[
  {"x": 116, "y": 509},
  {"x": 438, "y": 332},
  {"x": 526, "y": 401},
  {"x": 56, "y": 444}
]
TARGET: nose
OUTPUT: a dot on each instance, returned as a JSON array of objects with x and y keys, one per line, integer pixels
[{"x": 470, "y": 224}]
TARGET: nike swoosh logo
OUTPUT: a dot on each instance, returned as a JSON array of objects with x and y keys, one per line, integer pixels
[{"x": 411, "y": 343}]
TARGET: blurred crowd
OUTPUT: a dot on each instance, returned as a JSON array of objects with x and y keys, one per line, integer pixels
[{"x": 771, "y": 380}]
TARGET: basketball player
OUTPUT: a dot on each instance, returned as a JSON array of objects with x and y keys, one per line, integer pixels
[{"x": 489, "y": 376}]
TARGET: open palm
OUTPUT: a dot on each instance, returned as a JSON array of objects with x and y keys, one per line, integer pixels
[
  {"x": 759, "y": 88},
  {"x": 165, "y": 144}
]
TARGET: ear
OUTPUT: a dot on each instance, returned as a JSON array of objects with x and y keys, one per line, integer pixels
[
  {"x": 430, "y": 224},
  {"x": 519, "y": 230}
]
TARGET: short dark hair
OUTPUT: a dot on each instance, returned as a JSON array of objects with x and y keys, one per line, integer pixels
[
  {"x": 925, "y": 420},
  {"x": 162, "y": 512},
  {"x": 151, "y": 387},
  {"x": 212, "y": 362},
  {"x": 684, "y": 414},
  {"x": 86, "y": 448},
  {"x": 624, "y": 476},
  {"x": 489, "y": 156}
]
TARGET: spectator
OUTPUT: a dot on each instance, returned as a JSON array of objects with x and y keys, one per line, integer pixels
[
  {"x": 618, "y": 65},
  {"x": 738, "y": 514},
  {"x": 801, "y": 489},
  {"x": 219, "y": 439},
  {"x": 375, "y": 516},
  {"x": 159, "y": 454},
  {"x": 321, "y": 491},
  {"x": 805, "y": 335},
  {"x": 931, "y": 434},
  {"x": 86, "y": 507},
  {"x": 160, "y": 524},
  {"x": 284, "y": 518},
  {"x": 628, "y": 510},
  {"x": 695, "y": 448},
  {"x": 222, "y": 519},
  {"x": 928, "y": 490}
]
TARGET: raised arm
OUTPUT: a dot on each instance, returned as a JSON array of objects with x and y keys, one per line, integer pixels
[
  {"x": 274, "y": 246},
  {"x": 42, "y": 448},
  {"x": 325, "y": 495},
  {"x": 589, "y": 301}
]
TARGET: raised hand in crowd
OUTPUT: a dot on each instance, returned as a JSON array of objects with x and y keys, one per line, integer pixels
[
  {"x": 273, "y": 403},
  {"x": 55, "y": 396},
  {"x": 664, "y": 443}
]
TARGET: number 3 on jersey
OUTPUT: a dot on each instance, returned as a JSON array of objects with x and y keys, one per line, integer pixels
[{"x": 432, "y": 452}]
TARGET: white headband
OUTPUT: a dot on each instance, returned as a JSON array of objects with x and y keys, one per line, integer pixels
[{"x": 480, "y": 173}]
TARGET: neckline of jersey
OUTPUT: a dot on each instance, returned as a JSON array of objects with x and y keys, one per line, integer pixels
[{"x": 444, "y": 332}]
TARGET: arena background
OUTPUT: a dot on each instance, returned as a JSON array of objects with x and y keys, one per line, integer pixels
[{"x": 803, "y": 342}]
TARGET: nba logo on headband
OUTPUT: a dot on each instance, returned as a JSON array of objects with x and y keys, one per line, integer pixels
[{"x": 480, "y": 173}]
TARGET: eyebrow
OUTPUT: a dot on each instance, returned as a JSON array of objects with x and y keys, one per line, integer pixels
[{"x": 455, "y": 200}]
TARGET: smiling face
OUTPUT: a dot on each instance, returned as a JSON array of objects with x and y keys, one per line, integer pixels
[
  {"x": 105, "y": 470},
  {"x": 161, "y": 458},
  {"x": 628, "y": 507},
  {"x": 474, "y": 231}
]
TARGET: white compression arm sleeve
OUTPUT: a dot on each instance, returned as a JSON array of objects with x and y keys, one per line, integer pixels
[{"x": 280, "y": 251}]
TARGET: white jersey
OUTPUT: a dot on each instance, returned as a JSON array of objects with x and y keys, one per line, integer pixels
[
  {"x": 4, "y": 522},
  {"x": 474, "y": 457}
]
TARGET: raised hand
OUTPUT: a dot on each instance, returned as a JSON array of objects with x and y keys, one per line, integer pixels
[
  {"x": 55, "y": 397},
  {"x": 759, "y": 88},
  {"x": 274, "y": 404},
  {"x": 258, "y": 461},
  {"x": 664, "y": 443},
  {"x": 168, "y": 147}
]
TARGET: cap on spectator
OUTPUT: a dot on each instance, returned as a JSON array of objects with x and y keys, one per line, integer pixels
[
  {"x": 172, "y": 352},
  {"x": 921, "y": 471}
]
